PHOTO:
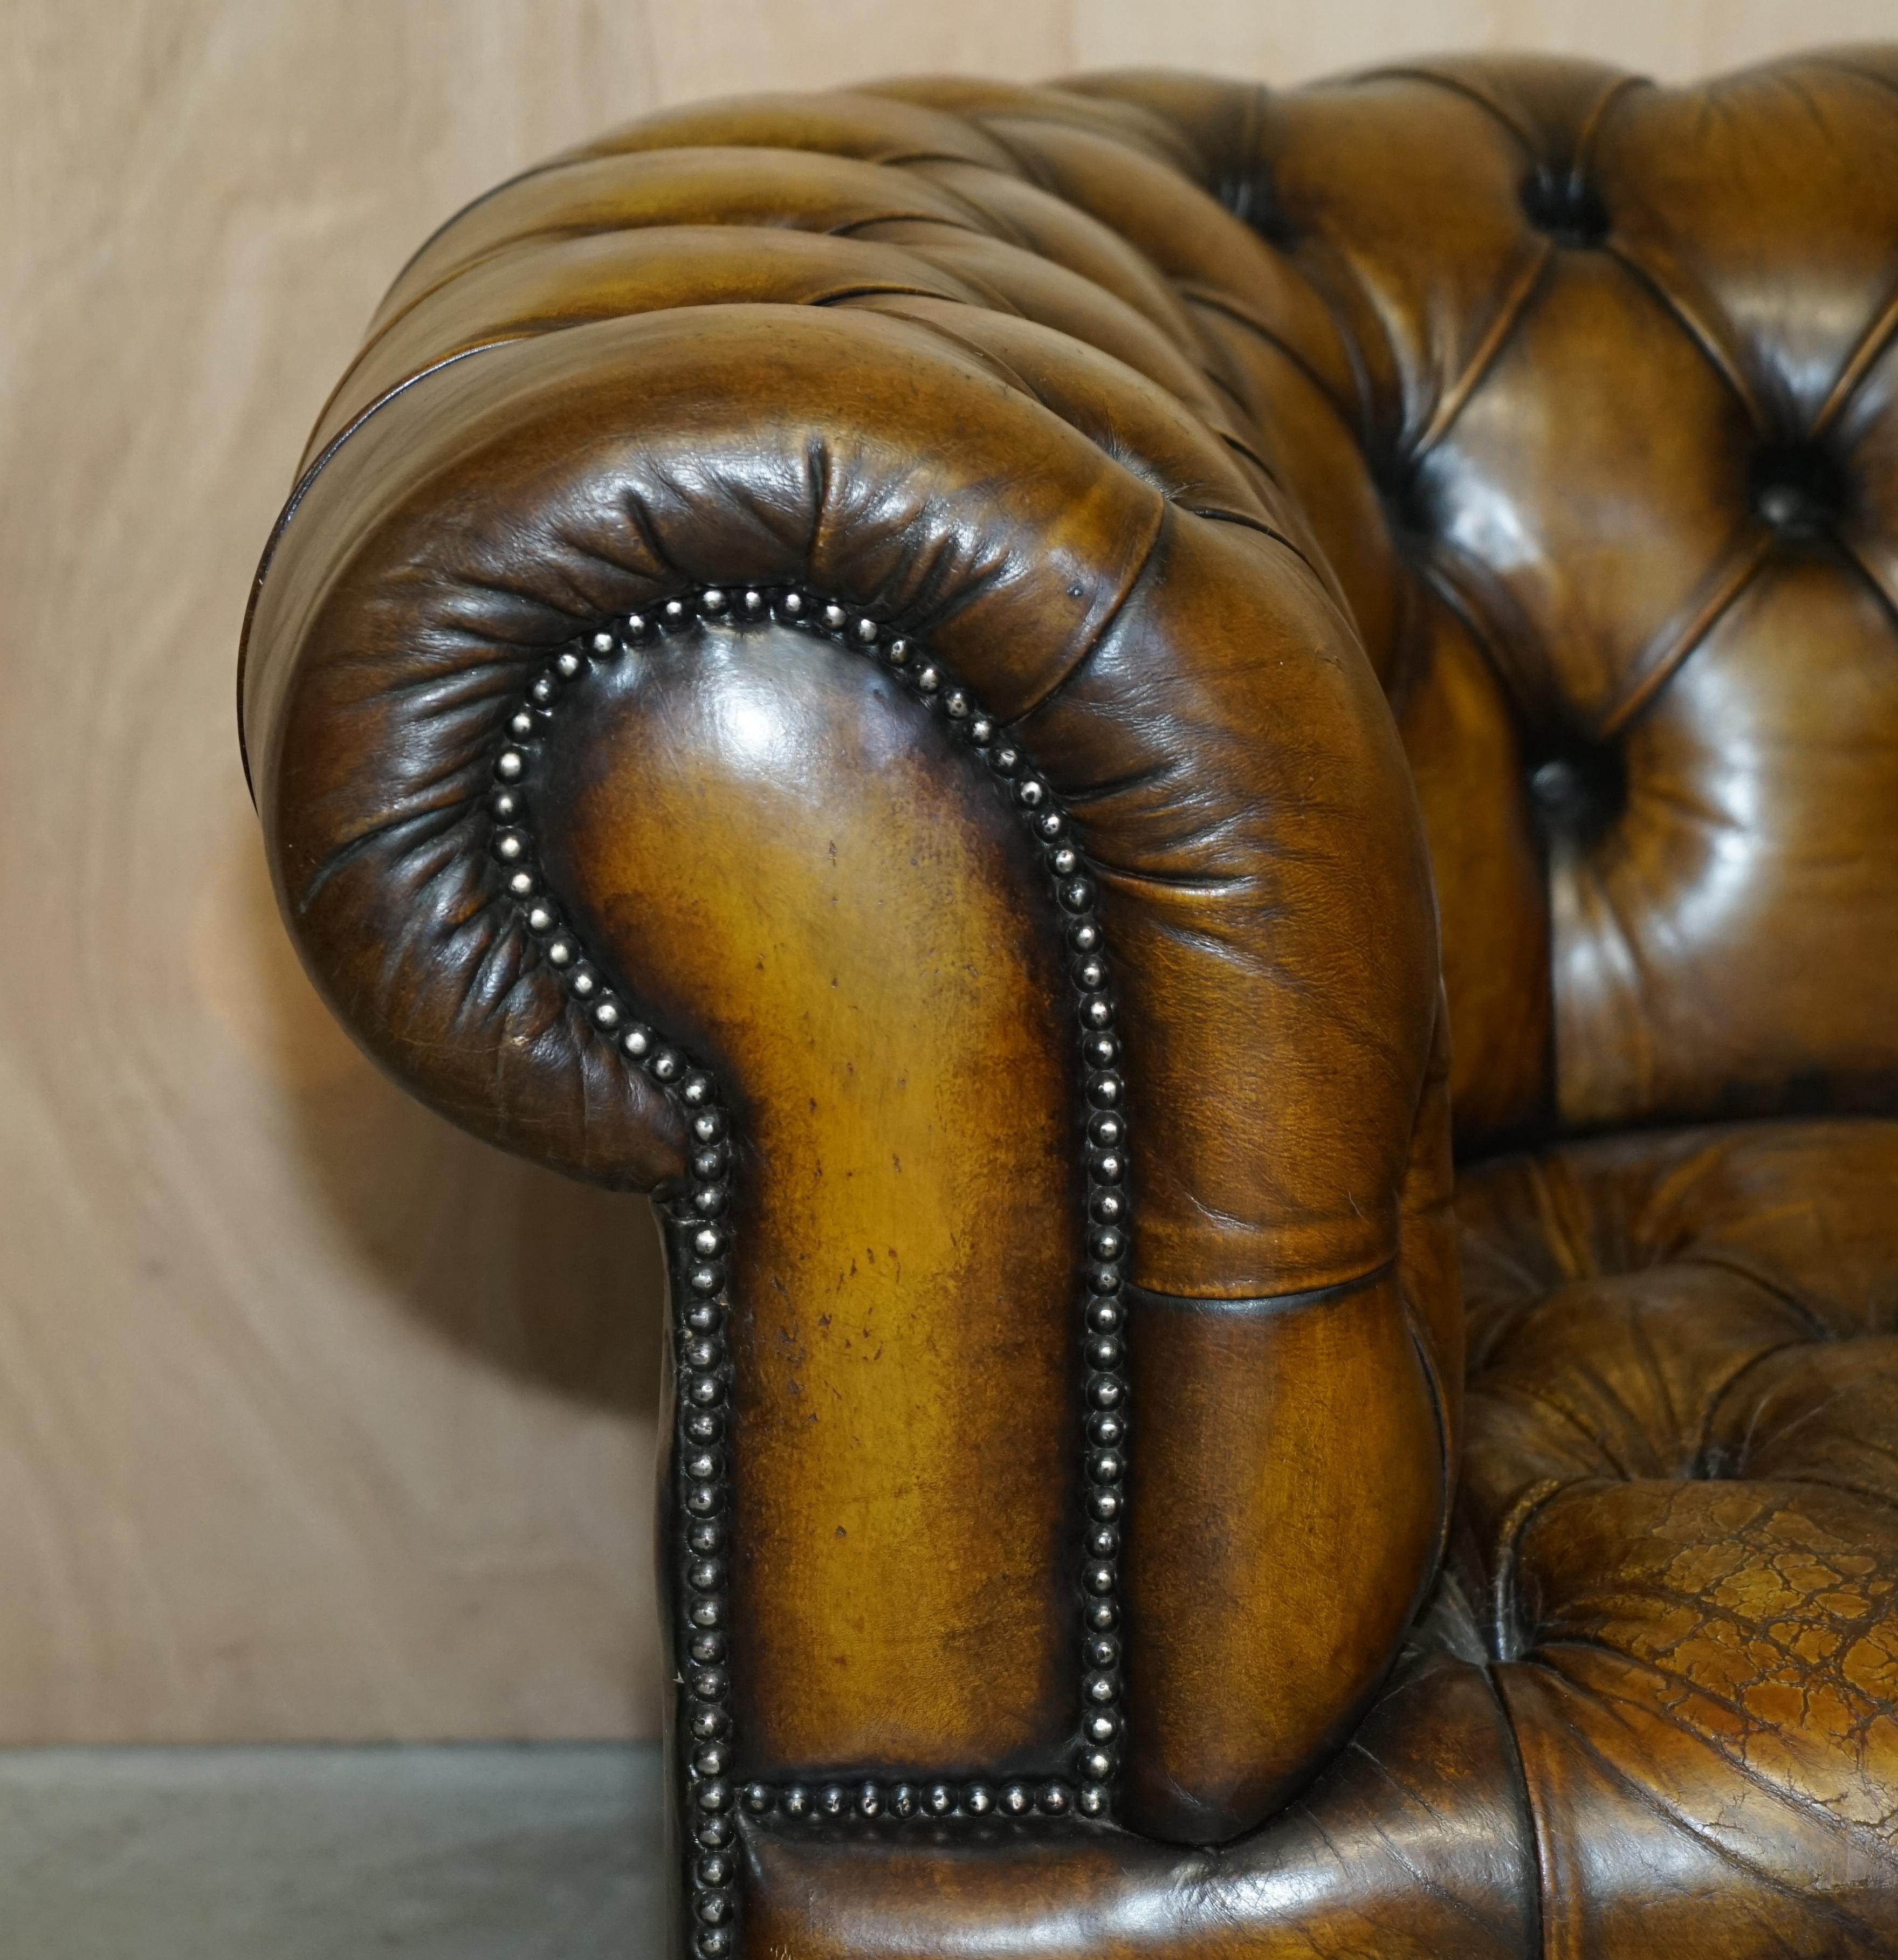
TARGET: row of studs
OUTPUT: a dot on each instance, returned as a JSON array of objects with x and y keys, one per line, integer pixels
[
  {"x": 1105, "y": 1390},
  {"x": 700, "y": 1244}
]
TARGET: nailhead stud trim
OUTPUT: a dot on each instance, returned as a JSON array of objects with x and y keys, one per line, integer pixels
[{"x": 698, "y": 1238}]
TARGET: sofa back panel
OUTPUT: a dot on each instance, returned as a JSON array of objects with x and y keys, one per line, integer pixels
[{"x": 1625, "y": 362}]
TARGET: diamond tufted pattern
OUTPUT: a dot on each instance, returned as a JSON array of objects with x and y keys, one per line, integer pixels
[
  {"x": 1680, "y": 1520},
  {"x": 1572, "y": 398}
]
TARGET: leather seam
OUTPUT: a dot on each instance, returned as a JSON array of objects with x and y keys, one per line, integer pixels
[{"x": 1289, "y": 1301}]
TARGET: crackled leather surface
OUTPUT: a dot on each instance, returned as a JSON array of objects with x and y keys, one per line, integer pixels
[
  {"x": 1171, "y": 412},
  {"x": 1651, "y": 1709}
]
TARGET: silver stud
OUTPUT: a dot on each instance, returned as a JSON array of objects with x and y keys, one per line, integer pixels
[
  {"x": 928, "y": 680},
  {"x": 543, "y": 690},
  {"x": 712, "y": 600},
  {"x": 674, "y": 612},
  {"x": 754, "y": 599},
  {"x": 977, "y": 1800},
  {"x": 1102, "y": 1728},
  {"x": 567, "y": 665},
  {"x": 708, "y": 1240},
  {"x": 585, "y": 981},
  {"x": 541, "y": 918},
  {"x": 1092, "y": 1801},
  {"x": 521, "y": 883},
  {"x": 560, "y": 951},
  {"x": 835, "y": 618},
  {"x": 696, "y": 1089},
  {"x": 981, "y": 731},
  {"x": 606, "y": 1013},
  {"x": 1051, "y": 823},
  {"x": 1051, "y": 1799},
  {"x": 1103, "y": 1688},
  {"x": 897, "y": 652},
  {"x": 635, "y": 625},
  {"x": 1030, "y": 792},
  {"x": 866, "y": 632},
  {"x": 509, "y": 845},
  {"x": 665, "y": 1064},
  {"x": 509, "y": 764},
  {"x": 504, "y": 803},
  {"x": 793, "y": 603},
  {"x": 955, "y": 704},
  {"x": 637, "y": 1042},
  {"x": 603, "y": 643},
  {"x": 522, "y": 725}
]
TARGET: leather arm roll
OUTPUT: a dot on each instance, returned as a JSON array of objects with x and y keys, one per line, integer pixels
[{"x": 607, "y": 700}]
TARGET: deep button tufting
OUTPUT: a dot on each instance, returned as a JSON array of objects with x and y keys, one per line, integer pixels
[
  {"x": 1632, "y": 1302},
  {"x": 1679, "y": 1517},
  {"x": 1798, "y": 488},
  {"x": 1565, "y": 205}
]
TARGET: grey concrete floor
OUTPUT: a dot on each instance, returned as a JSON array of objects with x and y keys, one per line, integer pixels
[{"x": 458, "y": 1853}]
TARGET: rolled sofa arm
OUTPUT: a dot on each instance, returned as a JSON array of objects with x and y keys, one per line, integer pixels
[{"x": 751, "y": 715}]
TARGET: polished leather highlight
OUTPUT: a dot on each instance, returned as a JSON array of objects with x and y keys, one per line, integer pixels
[{"x": 1187, "y": 423}]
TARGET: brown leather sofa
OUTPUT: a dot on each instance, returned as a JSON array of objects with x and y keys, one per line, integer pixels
[{"x": 880, "y": 665}]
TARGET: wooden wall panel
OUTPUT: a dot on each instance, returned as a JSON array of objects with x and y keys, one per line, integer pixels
[
  {"x": 1671, "y": 40},
  {"x": 317, "y": 1419}
]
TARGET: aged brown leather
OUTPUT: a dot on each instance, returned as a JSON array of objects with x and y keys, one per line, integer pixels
[{"x": 830, "y": 661}]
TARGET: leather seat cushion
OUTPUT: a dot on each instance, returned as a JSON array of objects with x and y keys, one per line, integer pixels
[{"x": 1679, "y": 1527}]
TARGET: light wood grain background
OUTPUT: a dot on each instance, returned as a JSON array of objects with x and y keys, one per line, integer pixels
[{"x": 316, "y": 1419}]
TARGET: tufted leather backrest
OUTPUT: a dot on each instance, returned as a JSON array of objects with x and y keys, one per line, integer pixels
[
  {"x": 1613, "y": 486},
  {"x": 1581, "y": 389}
]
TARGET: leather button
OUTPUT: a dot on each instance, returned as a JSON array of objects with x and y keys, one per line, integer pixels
[
  {"x": 1580, "y": 792},
  {"x": 1566, "y": 206},
  {"x": 1799, "y": 489}
]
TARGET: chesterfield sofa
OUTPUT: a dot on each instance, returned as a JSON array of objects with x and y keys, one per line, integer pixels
[{"x": 1206, "y": 780}]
